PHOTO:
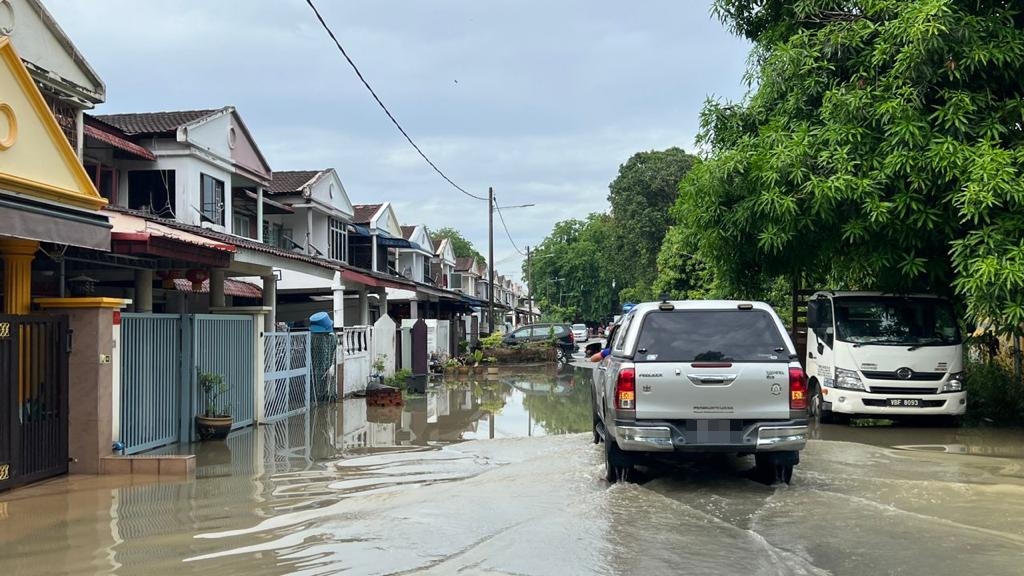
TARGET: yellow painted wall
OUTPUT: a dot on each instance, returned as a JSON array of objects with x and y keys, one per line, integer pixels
[{"x": 35, "y": 157}]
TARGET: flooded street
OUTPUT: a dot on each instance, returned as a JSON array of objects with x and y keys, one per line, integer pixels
[{"x": 499, "y": 477}]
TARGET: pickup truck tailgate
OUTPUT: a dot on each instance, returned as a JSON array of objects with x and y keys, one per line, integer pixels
[{"x": 756, "y": 390}]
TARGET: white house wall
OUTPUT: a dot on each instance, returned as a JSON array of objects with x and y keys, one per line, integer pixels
[
  {"x": 37, "y": 44},
  {"x": 413, "y": 260},
  {"x": 212, "y": 136},
  {"x": 322, "y": 192},
  {"x": 387, "y": 221}
]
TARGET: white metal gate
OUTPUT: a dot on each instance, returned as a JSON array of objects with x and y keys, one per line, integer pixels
[{"x": 286, "y": 374}]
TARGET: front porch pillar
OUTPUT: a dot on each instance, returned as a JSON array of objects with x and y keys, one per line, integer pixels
[
  {"x": 382, "y": 300},
  {"x": 364, "y": 307},
  {"x": 259, "y": 213},
  {"x": 414, "y": 309},
  {"x": 17, "y": 255},
  {"x": 217, "y": 288},
  {"x": 338, "y": 289},
  {"x": 270, "y": 299},
  {"x": 143, "y": 291}
]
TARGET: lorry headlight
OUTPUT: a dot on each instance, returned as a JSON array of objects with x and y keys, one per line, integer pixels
[
  {"x": 848, "y": 379},
  {"x": 955, "y": 383}
]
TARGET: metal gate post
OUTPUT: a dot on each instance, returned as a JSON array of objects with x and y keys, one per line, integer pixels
[{"x": 187, "y": 380}]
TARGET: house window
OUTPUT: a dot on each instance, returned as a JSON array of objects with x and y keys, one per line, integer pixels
[
  {"x": 457, "y": 281},
  {"x": 211, "y": 199},
  {"x": 152, "y": 191},
  {"x": 338, "y": 240},
  {"x": 242, "y": 225}
]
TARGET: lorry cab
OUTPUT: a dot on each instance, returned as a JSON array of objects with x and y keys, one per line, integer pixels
[{"x": 883, "y": 355}]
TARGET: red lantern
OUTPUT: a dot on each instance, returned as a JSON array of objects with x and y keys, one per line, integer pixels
[
  {"x": 197, "y": 277},
  {"x": 167, "y": 278}
]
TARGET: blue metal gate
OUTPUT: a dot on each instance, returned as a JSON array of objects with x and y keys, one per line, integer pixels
[
  {"x": 161, "y": 357},
  {"x": 225, "y": 345},
  {"x": 151, "y": 391}
]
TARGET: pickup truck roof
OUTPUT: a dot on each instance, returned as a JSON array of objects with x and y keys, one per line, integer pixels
[{"x": 626, "y": 342}]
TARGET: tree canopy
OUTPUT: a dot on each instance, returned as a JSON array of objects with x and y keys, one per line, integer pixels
[
  {"x": 569, "y": 272},
  {"x": 880, "y": 147},
  {"x": 640, "y": 196},
  {"x": 463, "y": 248}
]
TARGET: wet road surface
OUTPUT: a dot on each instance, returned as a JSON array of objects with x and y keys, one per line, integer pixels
[{"x": 454, "y": 483}]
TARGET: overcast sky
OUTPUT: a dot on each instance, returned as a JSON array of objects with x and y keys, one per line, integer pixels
[{"x": 541, "y": 100}]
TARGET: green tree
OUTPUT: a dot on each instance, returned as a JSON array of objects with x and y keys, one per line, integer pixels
[
  {"x": 571, "y": 275},
  {"x": 881, "y": 148},
  {"x": 641, "y": 196},
  {"x": 463, "y": 248}
]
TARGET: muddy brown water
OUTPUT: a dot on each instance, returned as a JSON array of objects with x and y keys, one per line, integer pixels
[{"x": 500, "y": 477}]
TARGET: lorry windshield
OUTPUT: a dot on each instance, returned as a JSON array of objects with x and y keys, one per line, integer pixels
[{"x": 896, "y": 321}]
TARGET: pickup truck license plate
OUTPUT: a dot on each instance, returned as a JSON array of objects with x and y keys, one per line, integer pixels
[{"x": 905, "y": 402}]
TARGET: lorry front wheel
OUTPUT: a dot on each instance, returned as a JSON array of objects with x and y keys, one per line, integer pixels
[{"x": 816, "y": 407}]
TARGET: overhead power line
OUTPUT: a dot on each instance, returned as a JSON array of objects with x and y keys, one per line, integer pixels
[
  {"x": 385, "y": 108},
  {"x": 505, "y": 226}
]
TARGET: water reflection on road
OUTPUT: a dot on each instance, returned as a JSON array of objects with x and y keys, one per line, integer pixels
[{"x": 488, "y": 476}]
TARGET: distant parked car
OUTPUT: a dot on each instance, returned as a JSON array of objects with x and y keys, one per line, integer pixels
[
  {"x": 580, "y": 332},
  {"x": 562, "y": 333}
]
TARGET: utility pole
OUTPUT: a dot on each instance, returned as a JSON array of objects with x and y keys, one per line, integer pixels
[
  {"x": 490, "y": 260},
  {"x": 529, "y": 282}
]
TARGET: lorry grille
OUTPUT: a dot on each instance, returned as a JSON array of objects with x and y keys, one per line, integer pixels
[
  {"x": 915, "y": 377},
  {"x": 899, "y": 390}
]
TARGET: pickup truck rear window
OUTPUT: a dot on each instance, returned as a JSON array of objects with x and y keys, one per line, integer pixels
[{"x": 710, "y": 335}]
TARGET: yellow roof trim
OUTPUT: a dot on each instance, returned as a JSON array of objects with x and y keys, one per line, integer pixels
[
  {"x": 89, "y": 302},
  {"x": 85, "y": 194}
]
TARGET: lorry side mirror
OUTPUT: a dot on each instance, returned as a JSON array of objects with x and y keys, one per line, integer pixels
[{"x": 813, "y": 315}]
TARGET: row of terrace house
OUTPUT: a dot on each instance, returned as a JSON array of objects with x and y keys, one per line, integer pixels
[{"x": 142, "y": 250}]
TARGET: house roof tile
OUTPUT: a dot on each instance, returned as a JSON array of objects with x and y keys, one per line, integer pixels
[
  {"x": 154, "y": 122},
  {"x": 463, "y": 264},
  {"x": 407, "y": 232},
  {"x": 363, "y": 213},
  {"x": 287, "y": 181}
]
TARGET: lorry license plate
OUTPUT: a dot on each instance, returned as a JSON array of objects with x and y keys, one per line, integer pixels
[{"x": 905, "y": 402}]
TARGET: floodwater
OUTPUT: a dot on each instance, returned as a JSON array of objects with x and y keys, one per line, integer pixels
[{"x": 499, "y": 477}]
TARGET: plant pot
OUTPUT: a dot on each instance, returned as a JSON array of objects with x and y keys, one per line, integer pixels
[
  {"x": 213, "y": 427},
  {"x": 492, "y": 369}
]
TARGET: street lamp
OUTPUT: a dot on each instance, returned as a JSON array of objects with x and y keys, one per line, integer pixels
[{"x": 490, "y": 254}]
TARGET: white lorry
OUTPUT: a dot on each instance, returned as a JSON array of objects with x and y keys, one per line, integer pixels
[{"x": 883, "y": 355}]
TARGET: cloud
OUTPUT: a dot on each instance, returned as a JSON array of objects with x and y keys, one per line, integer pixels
[{"x": 540, "y": 100}]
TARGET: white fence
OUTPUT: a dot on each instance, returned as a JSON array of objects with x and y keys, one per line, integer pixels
[
  {"x": 384, "y": 344},
  {"x": 356, "y": 345},
  {"x": 286, "y": 375}
]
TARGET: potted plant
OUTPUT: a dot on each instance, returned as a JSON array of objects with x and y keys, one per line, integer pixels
[
  {"x": 214, "y": 423},
  {"x": 378, "y": 368}
]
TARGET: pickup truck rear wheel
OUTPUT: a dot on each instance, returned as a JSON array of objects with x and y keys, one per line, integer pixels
[
  {"x": 617, "y": 464},
  {"x": 771, "y": 469}
]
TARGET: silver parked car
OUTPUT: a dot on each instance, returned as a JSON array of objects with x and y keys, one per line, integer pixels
[
  {"x": 580, "y": 332},
  {"x": 701, "y": 376}
]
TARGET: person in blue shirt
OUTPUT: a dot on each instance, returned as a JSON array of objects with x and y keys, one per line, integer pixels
[{"x": 607, "y": 346}]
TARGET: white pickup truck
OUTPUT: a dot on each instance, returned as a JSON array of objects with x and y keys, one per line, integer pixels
[{"x": 689, "y": 377}]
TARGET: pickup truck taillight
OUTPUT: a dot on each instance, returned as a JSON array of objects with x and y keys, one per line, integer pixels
[
  {"x": 797, "y": 388},
  {"x": 625, "y": 390}
]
